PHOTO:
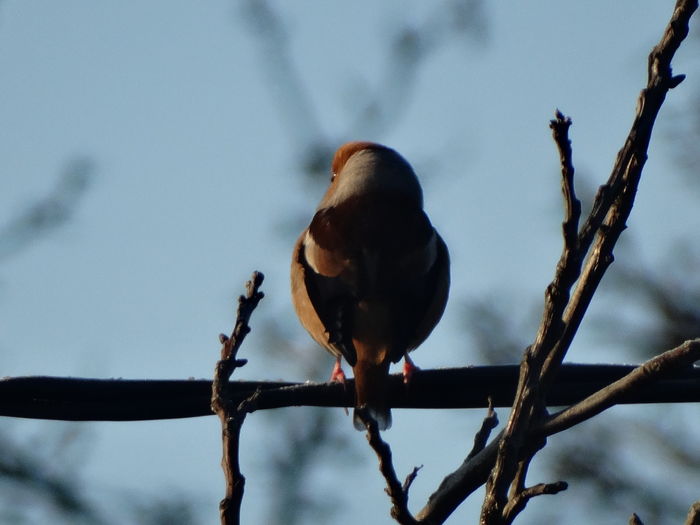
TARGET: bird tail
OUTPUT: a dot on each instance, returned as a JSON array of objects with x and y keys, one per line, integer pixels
[{"x": 371, "y": 394}]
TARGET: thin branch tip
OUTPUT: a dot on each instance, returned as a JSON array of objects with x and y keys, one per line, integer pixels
[
  {"x": 560, "y": 120},
  {"x": 232, "y": 419},
  {"x": 554, "y": 488},
  {"x": 693, "y": 517},
  {"x": 398, "y": 493},
  {"x": 255, "y": 282},
  {"x": 673, "y": 82},
  {"x": 635, "y": 520},
  {"x": 411, "y": 478}
]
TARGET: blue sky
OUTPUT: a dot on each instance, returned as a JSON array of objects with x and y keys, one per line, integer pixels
[{"x": 197, "y": 183}]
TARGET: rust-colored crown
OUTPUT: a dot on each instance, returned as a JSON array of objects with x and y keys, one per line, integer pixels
[{"x": 348, "y": 149}]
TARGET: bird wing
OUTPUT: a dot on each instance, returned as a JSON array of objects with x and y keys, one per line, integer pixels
[
  {"x": 323, "y": 300},
  {"x": 425, "y": 301}
]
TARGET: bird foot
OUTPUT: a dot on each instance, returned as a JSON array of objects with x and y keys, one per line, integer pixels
[
  {"x": 337, "y": 375},
  {"x": 409, "y": 368}
]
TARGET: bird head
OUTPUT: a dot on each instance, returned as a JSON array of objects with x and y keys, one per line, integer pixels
[{"x": 364, "y": 168}]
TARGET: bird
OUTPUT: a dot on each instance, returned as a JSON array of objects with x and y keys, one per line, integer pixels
[{"x": 370, "y": 275}]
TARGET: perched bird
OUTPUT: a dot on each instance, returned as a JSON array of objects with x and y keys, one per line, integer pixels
[{"x": 370, "y": 275}]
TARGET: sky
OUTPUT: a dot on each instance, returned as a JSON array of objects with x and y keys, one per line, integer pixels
[{"x": 197, "y": 182}]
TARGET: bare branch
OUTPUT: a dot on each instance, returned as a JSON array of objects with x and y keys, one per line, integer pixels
[
  {"x": 563, "y": 312},
  {"x": 487, "y": 425},
  {"x": 682, "y": 356},
  {"x": 458, "y": 485},
  {"x": 474, "y": 471},
  {"x": 382, "y": 105},
  {"x": 526, "y": 407},
  {"x": 529, "y": 399},
  {"x": 693, "y": 517},
  {"x": 411, "y": 478},
  {"x": 49, "y": 212},
  {"x": 635, "y": 520},
  {"x": 230, "y": 345},
  {"x": 397, "y": 492},
  {"x": 519, "y": 501},
  {"x": 232, "y": 419},
  {"x": 572, "y": 213},
  {"x": 614, "y": 202}
]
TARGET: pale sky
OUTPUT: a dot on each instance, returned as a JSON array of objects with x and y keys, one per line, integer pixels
[{"x": 197, "y": 183}]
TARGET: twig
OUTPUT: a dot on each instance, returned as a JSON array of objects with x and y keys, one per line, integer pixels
[
  {"x": 458, "y": 485},
  {"x": 529, "y": 399},
  {"x": 473, "y": 472},
  {"x": 635, "y": 520},
  {"x": 572, "y": 206},
  {"x": 680, "y": 357},
  {"x": 614, "y": 201},
  {"x": 517, "y": 503},
  {"x": 397, "y": 492},
  {"x": 693, "y": 517},
  {"x": 230, "y": 345},
  {"x": 51, "y": 211},
  {"x": 410, "y": 479},
  {"x": 528, "y": 402},
  {"x": 563, "y": 313},
  {"x": 232, "y": 419},
  {"x": 482, "y": 436}
]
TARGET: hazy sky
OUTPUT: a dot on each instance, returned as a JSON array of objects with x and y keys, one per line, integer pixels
[{"x": 197, "y": 182}]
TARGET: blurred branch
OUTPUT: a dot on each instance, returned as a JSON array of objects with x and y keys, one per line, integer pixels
[
  {"x": 294, "y": 102},
  {"x": 25, "y": 473},
  {"x": 673, "y": 445},
  {"x": 396, "y": 491},
  {"x": 380, "y": 108},
  {"x": 605, "y": 462},
  {"x": 409, "y": 48},
  {"x": 683, "y": 138},
  {"x": 485, "y": 317},
  {"x": 305, "y": 441},
  {"x": 172, "y": 508},
  {"x": 48, "y": 213},
  {"x": 671, "y": 296},
  {"x": 49, "y": 480}
]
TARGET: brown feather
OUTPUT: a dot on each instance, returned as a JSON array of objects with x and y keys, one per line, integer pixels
[
  {"x": 370, "y": 276},
  {"x": 371, "y": 389},
  {"x": 347, "y": 150}
]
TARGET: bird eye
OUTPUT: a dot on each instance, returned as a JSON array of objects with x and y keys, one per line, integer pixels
[{"x": 333, "y": 175}]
